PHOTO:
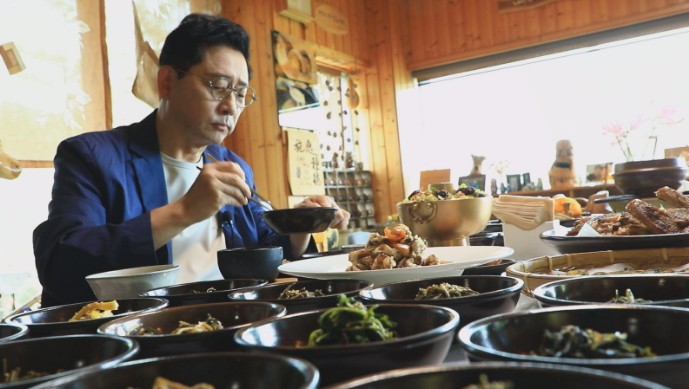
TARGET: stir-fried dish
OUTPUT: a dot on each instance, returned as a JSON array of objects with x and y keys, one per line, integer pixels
[
  {"x": 628, "y": 298},
  {"x": 210, "y": 324},
  {"x": 16, "y": 374},
  {"x": 301, "y": 293},
  {"x": 352, "y": 322},
  {"x": 397, "y": 248},
  {"x": 444, "y": 290},
  {"x": 484, "y": 383},
  {"x": 575, "y": 342},
  {"x": 464, "y": 191},
  {"x": 95, "y": 310}
]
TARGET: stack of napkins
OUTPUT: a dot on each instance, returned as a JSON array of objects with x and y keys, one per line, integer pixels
[{"x": 524, "y": 212}]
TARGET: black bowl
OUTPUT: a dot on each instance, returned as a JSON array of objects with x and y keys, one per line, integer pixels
[
  {"x": 659, "y": 289},
  {"x": 62, "y": 355},
  {"x": 521, "y": 375},
  {"x": 250, "y": 262},
  {"x": 330, "y": 288},
  {"x": 514, "y": 336},
  {"x": 496, "y": 268},
  {"x": 300, "y": 220},
  {"x": 222, "y": 370},
  {"x": 425, "y": 334},
  {"x": 497, "y": 294},
  {"x": 202, "y": 292},
  {"x": 54, "y": 321},
  {"x": 12, "y": 331},
  {"x": 232, "y": 315}
]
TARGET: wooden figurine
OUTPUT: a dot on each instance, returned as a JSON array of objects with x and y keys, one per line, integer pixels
[
  {"x": 478, "y": 161},
  {"x": 562, "y": 175}
]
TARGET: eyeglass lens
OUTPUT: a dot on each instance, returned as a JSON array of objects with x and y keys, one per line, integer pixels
[{"x": 221, "y": 88}]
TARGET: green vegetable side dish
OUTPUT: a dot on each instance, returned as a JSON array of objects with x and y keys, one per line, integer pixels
[
  {"x": 575, "y": 342},
  {"x": 351, "y": 322},
  {"x": 628, "y": 298}
]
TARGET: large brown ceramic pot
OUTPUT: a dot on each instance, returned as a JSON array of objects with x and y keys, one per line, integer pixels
[{"x": 643, "y": 178}]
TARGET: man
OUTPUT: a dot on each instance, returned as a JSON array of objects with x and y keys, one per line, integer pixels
[{"x": 163, "y": 190}]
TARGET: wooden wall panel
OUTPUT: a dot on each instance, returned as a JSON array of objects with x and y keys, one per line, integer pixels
[{"x": 478, "y": 29}]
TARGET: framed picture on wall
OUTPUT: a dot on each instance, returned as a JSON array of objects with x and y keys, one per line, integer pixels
[
  {"x": 514, "y": 181},
  {"x": 477, "y": 181}
]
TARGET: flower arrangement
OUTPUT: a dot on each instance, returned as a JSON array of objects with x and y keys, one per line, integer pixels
[{"x": 638, "y": 139}]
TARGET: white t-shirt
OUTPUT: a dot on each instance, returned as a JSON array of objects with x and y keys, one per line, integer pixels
[{"x": 194, "y": 249}]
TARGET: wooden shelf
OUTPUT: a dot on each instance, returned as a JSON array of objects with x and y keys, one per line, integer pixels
[{"x": 577, "y": 191}]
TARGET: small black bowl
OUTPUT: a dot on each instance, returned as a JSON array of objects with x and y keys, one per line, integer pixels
[
  {"x": 54, "y": 321},
  {"x": 495, "y": 268},
  {"x": 330, "y": 288},
  {"x": 516, "y": 336},
  {"x": 521, "y": 375},
  {"x": 63, "y": 355},
  {"x": 222, "y": 370},
  {"x": 659, "y": 289},
  {"x": 232, "y": 315},
  {"x": 425, "y": 334},
  {"x": 300, "y": 220},
  {"x": 12, "y": 331},
  {"x": 250, "y": 262},
  {"x": 202, "y": 292},
  {"x": 497, "y": 294}
]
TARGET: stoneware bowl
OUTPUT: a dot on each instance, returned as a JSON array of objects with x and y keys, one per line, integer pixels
[
  {"x": 62, "y": 355},
  {"x": 202, "y": 292},
  {"x": 494, "y": 268},
  {"x": 425, "y": 334},
  {"x": 128, "y": 283},
  {"x": 521, "y": 375},
  {"x": 643, "y": 178},
  {"x": 655, "y": 289},
  {"x": 331, "y": 290},
  {"x": 497, "y": 294},
  {"x": 232, "y": 315},
  {"x": 53, "y": 321},
  {"x": 300, "y": 220},
  {"x": 516, "y": 336},
  {"x": 12, "y": 331},
  {"x": 257, "y": 262},
  {"x": 222, "y": 370}
]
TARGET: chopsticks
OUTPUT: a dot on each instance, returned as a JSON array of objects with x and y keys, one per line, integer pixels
[{"x": 258, "y": 199}]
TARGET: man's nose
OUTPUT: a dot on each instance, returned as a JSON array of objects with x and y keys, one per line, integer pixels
[{"x": 228, "y": 105}]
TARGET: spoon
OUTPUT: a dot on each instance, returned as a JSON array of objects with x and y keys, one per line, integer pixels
[{"x": 265, "y": 203}]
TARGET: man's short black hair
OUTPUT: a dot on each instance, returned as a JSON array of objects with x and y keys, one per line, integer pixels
[{"x": 185, "y": 46}]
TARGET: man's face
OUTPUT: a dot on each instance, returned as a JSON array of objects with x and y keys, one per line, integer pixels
[{"x": 202, "y": 119}]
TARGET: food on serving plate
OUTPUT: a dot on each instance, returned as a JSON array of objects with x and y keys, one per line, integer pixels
[
  {"x": 657, "y": 266},
  {"x": 95, "y": 310},
  {"x": 15, "y": 374},
  {"x": 210, "y": 324},
  {"x": 642, "y": 218},
  {"x": 351, "y": 322},
  {"x": 566, "y": 208},
  {"x": 397, "y": 248},
  {"x": 484, "y": 383},
  {"x": 464, "y": 191},
  {"x": 444, "y": 290},
  {"x": 302, "y": 293},
  {"x": 575, "y": 342},
  {"x": 164, "y": 383},
  {"x": 628, "y": 298}
]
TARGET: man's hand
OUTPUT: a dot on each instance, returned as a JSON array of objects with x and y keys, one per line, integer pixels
[{"x": 341, "y": 219}]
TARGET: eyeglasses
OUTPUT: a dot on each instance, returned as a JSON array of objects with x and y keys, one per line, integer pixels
[{"x": 221, "y": 88}]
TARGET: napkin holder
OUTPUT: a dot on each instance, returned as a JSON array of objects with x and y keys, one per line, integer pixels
[{"x": 528, "y": 244}]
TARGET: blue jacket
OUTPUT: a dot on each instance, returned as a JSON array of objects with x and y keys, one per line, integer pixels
[{"x": 105, "y": 185}]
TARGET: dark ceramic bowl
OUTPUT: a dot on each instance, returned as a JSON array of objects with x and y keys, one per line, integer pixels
[
  {"x": 232, "y": 315},
  {"x": 425, "y": 334},
  {"x": 222, "y": 370},
  {"x": 330, "y": 288},
  {"x": 643, "y": 178},
  {"x": 494, "y": 268},
  {"x": 497, "y": 294},
  {"x": 202, "y": 292},
  {"x": 257, "y": 262},
  {"x": 521, "y": 375},
  {"x": 300, "y": 220},
  {"x": 12, "y": 331},
  {"x": 660, "y": 289},
  {"x": 62, "y": 355},
  {"x": 54, "y": 321},
  {"x": 514, "y": 336}
]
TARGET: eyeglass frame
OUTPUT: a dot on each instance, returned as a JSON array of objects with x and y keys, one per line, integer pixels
[{"x": 226, "y": 91}]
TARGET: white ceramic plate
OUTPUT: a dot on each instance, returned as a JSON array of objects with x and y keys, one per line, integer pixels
[{"x": 454, "y": 260}]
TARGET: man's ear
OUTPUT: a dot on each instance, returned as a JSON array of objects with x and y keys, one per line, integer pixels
[{"x": 166, "y": 76}]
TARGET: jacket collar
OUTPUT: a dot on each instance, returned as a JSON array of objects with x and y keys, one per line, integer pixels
[{"x": 147, "y": 164}]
